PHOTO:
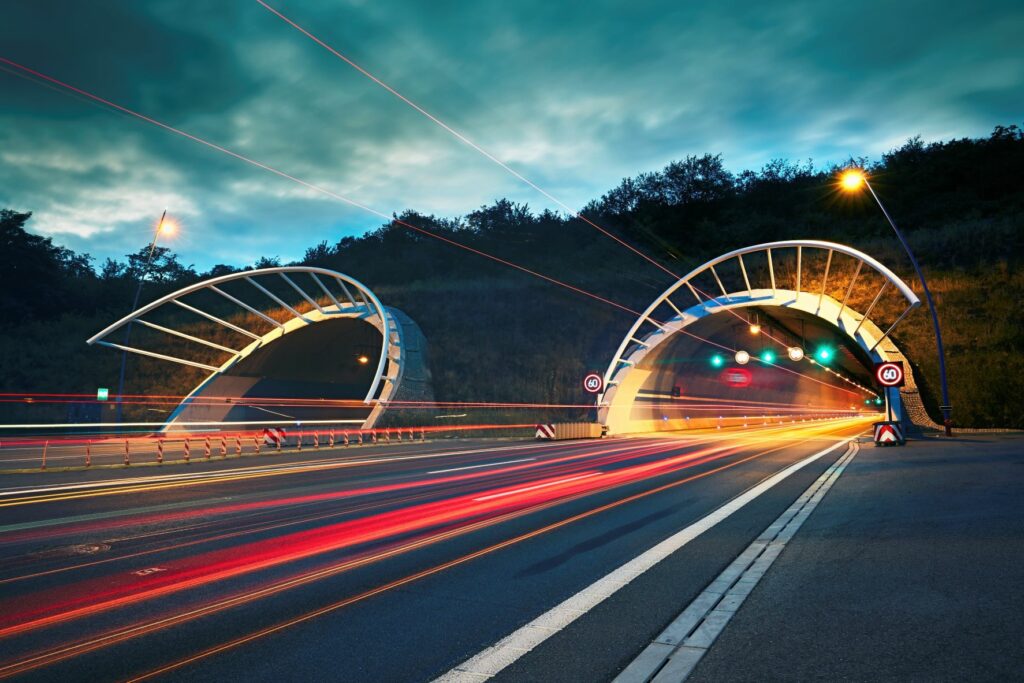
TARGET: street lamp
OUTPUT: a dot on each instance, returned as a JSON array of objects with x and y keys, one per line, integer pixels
[
  {"x": 852, "y": 180},
  {"x": 166, "y": 228}
]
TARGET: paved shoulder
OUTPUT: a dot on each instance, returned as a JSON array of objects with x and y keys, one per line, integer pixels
[{"x": 910, "y": 569}]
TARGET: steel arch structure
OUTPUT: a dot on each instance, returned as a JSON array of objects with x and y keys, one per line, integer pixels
[
  {"x": 329, "y": 295},
  {"x": 621, "y": 382}
]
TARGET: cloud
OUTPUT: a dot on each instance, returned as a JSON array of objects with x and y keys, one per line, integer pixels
[{"x": 573, "y": 95}]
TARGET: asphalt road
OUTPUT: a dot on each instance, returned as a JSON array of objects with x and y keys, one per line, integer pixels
[
  {"x": 379, "y": 564},
  {"x": 911, "y": 569}
]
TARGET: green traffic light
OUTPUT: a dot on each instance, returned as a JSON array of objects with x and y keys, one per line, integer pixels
[
  {"x": 878, "y": 401},
  {"x": 824, "y": 354},
  {"x": 768, "y": 356},
  {"x": 717, "y": 361}
]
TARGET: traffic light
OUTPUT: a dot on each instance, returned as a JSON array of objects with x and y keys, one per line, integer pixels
[
  {"x": 717, "y": 360},
  {"x": 768, "y": 356},
  {"x": 824, "y": 354},
  {"x": 878, "y": 401}
]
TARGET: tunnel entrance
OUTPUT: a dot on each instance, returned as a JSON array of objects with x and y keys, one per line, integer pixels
[
  {"x": 319, "y": 372},
  {"x": 687, "y": 382},
  {"x": 289, "y": 345},
  {"x": 791, "y": 329}
]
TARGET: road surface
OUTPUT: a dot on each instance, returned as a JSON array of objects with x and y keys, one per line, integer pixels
[{"x": 394, "y": 563}]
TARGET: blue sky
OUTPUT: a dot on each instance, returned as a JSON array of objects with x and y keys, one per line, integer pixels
[{"x": 575, "y": 96}]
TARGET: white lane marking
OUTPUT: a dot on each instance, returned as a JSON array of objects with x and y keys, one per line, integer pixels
[
  {"x": 509, "y": 649},
  {"x": 535, "y": 486},
  {"x": 677, "y": 650},
  {"x": 474, "y": 467}
]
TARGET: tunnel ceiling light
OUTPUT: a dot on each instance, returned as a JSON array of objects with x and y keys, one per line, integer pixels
[
  {"x": 795, "y": 353},
  {"x": 717, "y": 360},
  {"x": 363, "y": 360},
  {"x": 742, "y": 357},
  {"x": 755, "y": 328}
]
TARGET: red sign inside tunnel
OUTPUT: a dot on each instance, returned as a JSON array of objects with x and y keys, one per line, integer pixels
[{"x": 739, "y": 378}]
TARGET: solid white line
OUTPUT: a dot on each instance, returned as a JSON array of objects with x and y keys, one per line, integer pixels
[
  {"x": 677, "y": 650},
  {"x": 495, "y": 658},
  {"x": 535, "y": 486},
  {"x": 473, "y": 467}
]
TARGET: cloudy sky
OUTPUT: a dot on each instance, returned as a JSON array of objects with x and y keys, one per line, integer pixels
[{"x": 574, "y": 95}]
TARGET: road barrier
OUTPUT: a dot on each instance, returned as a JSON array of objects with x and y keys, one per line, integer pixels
[
  {"x": 569, "y": 430},
  {"x": 159, "y": 451},
  {"x": 127, "y": 456},
  {"x": 188, "y": 451},
  {"x": 46, "y": 445},
  {"x": 207, "y": 447},
  {"x": 88, "y": 453}
]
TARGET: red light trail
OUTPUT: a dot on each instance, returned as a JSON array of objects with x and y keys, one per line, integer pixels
[{"x": 430, "y": 522}]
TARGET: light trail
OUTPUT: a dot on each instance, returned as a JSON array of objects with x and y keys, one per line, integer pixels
[
  {"x": 316, "y": 188},
  {"x": 335, "y": 195},
  {"x": 106, "y": 593},
  {"x": 465, "y": 139},
  {"x": 125, "y": 633}
]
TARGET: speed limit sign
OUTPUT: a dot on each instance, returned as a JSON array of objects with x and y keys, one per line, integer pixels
[
  {"x": 889, "y": 374},
  {"x": 593, "y": 383}
]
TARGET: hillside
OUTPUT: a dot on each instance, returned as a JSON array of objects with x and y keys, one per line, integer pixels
[{"x": 500, "y": 335}]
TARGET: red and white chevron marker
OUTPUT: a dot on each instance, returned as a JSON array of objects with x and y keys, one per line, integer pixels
[
  {"x": 545, "y": 431},
  {"x": 888, "y": 433}
]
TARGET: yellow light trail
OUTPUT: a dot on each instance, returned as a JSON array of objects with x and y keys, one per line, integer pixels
[{"x": 121, "y": 635}]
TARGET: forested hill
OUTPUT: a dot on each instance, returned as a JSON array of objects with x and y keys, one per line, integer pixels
[{"x": 960, "y": 203}]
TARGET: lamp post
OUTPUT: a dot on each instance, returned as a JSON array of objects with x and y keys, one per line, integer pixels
[
  {"x": 851, "y": 180},
  {"x": 162, "y": 227}
]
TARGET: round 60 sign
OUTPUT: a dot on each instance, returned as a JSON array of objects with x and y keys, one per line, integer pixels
[
  {"x": 593, "y": 383},
  {"x": 889, "y": 374}
]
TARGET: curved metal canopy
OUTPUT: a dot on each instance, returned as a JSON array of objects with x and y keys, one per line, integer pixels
[
  {"x": 347, "y": 297},
  {"x": 633, "y": 347}
]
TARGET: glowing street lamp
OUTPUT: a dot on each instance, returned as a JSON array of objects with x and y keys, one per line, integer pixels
[
  {"x": 795, "y": 353},
  {"x": 851, "y": 180},
  {"x": 742, "y": 357},
  {"x": 755, "y": 328}
]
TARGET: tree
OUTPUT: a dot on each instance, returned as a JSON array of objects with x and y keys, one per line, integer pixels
[{"x": 34, "y": 272}]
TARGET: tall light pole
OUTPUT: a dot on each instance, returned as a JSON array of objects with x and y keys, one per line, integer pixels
[
  {"x": 852, "y": 180},
  {"x": 162, "y": 227}
]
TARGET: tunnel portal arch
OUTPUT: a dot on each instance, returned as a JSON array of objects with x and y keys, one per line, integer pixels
[
  {"x": 295, "y": 299},
  {"x": 630, "y": 366}
]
